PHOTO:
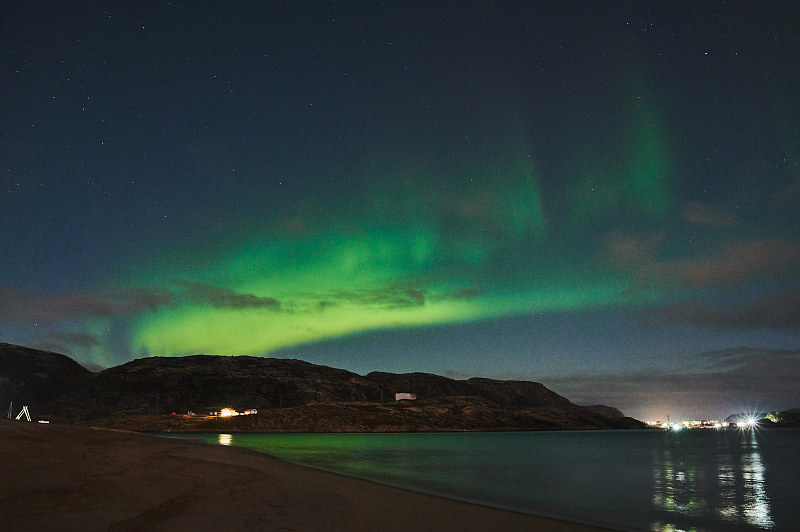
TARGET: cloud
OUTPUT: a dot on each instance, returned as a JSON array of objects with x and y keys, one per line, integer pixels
[
  {"x": 625, "y": 248},
  {"x": 746, "y": 357},
  {"x": 714, "y": 384},
  {"x": 391, "y": 297},
  {"x": 65, "y": 342},
  {"x": 71, "y": 338},
  {"x": 399, "y": 295},
  {"x": 781, "y": 311},
  {"x": 204, "y": 294},
  {"x": 463, "y": 293},
  {"x": 707, "y": 215},
  {"x": 22, "y": 305},
  {"x": 732, "y": 266}
]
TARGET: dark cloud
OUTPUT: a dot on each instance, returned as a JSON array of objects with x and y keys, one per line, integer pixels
[
  {"x": 725, "y": 382},
  {"x": 394, "y": 296},
  {"x": 732, "y": 266},
  {"x": 399, "y": 295},
  {"x": 742, "y": 357},
  {"x": 464, "y": 293},
  {"x": 707, "y": 215},
  {"x": 780, "y": 311},
  {"x": 71, "y": 338},
  {"x": 65, "y": 342},
  {"x": 204, "y": 294},
  {"x": 625, "y": 248},
  {"x": 21, "y": 305}
]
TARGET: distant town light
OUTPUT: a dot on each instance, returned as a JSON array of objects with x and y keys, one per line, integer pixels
[
  {"x": 748, "y": 423},
  {"x": 228, "y": 412}
]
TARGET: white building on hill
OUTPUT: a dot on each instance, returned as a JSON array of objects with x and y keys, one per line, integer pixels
[{"x": 407, "y": 396}]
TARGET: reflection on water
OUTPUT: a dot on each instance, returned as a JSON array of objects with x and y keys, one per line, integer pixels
[
  {"x": 756, "y": 504},
  {"x": 692, "y": 481},
  {"x": 688, "y": 483}
]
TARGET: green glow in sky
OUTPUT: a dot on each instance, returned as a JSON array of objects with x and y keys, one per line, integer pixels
[
  {"x": 414, "y": 249},
  {"x": 629, "y": 174},
  {"x": 329, "y": 287}
]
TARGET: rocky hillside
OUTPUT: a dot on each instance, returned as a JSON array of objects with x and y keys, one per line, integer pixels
[
  {"x": 33, "y": 377},
  {"x": 203, "y": 383},
  {"x": 290, "y": 395},
  {"x": 501, "y": 393}
]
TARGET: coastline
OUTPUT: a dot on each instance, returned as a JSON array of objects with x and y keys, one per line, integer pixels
[{"x": 73, "y": 478}]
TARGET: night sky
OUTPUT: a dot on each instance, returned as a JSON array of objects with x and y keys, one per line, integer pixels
[{"x": 600, "y": 196}]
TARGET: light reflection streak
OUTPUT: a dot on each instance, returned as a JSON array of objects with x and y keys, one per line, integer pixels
[
  {"x": 756, "y": 508},
  {"x": 734, "y": 489},
  {"x": 225, "y": 439}
]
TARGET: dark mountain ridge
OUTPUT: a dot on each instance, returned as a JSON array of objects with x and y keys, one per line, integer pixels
[
  {"x": 501, "y": 393},
  {"x": 159, "y": 392},
  {"x": 33, "y": 377}
]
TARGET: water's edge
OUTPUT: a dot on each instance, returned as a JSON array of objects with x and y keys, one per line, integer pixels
[
  {"x": 626, "y": 480},
  {"x": 397, "y": 485}
]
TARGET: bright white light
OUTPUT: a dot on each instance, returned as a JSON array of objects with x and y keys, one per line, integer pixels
[
  {"x": 677, "y": 427},
  {"x": 227, "y": 412},
  {"x": 748, "y": 423}
]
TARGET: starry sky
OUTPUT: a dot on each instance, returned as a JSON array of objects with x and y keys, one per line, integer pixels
[{"x": 599, "y": 196}]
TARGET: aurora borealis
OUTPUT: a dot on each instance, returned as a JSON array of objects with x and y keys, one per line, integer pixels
[{"x": 600, "y": 198}]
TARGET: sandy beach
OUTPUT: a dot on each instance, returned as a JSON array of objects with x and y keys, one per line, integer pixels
[{"x": 59, "y": 477}]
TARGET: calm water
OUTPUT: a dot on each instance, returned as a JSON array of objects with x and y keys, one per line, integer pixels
[{"x": 697, "y": 480}]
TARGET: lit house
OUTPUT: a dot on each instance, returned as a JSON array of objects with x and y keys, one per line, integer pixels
[{"x": 230, "y": 412}]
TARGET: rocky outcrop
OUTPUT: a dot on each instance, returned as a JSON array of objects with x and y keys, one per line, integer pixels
[
  {"x": 608, "y": 411},
  {"x": 502, "y": 393},
  {"x": 449, "y": 414},
  {"x": 33, "y": 377},
  {"x": 158, "y": 393},
  {"x": 783, "y": 418},
  {"x": 204, "y": 383}
]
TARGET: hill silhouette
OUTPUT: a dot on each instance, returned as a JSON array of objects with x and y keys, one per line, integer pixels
[{"x": 157, "y": 393}]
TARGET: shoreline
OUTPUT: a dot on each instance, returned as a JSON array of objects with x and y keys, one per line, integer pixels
[
  {"x": 445, "y": 497},
  {"x": 74, "y": 478}
]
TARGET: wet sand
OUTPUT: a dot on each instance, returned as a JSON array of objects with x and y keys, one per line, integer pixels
[{"x": 60, "y": 477}]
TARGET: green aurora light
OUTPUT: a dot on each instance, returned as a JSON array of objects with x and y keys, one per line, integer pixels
[{"x": 416, "y": 251}]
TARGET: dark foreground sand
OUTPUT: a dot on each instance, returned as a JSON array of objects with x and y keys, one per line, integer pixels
[{"x": 57, "y": 477}]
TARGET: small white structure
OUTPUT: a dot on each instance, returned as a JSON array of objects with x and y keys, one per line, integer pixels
[
  {"x": 24, "y": 412},
  {"x": 405, "y": 396}
]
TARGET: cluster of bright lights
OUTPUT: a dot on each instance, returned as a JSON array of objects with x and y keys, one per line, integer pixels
[
  {"x": 228, "y": 412},
  {"x": 748, "y": 423},
  {"x": 694, "y": 424}
]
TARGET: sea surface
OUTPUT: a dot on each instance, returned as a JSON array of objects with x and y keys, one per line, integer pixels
[{"x": 694, "y": 480}]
